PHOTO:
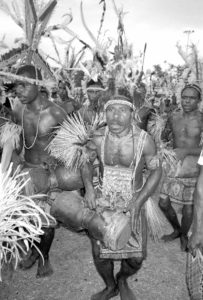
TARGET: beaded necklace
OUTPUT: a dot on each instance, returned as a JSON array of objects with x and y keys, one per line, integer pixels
[{"x": 23, "y": 132}]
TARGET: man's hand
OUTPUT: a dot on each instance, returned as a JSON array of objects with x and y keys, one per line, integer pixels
[
  {"x": 195, "y": 242},
  {"x": 89, "y": 198},
  {"x": 134, "y": 208},
  {"x": 181, "y": 153}
]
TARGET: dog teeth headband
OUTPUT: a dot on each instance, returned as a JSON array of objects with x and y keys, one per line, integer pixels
[{"x": 119, "y": 101}]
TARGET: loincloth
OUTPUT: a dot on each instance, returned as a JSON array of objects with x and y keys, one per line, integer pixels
[
  {"x": 179, "y": 182},
  {"x": 136, "y": 246}
]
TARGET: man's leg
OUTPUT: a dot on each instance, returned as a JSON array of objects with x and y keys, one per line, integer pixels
[
  {"x": 128, "y": 268},
  {"x": 44, "y": 267},
  {"x": 105, "y": 268},
  {"x": 187, "y": 216},
  {"x": 170, "y": 214}
]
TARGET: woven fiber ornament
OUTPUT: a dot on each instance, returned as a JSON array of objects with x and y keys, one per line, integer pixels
[{"x": 194, "y": 276}]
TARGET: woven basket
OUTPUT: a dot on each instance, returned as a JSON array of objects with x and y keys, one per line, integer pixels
[{"x": 194, "y": 276}]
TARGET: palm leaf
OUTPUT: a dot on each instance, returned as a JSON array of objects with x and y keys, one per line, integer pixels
[{"x": 20, "y": 218}]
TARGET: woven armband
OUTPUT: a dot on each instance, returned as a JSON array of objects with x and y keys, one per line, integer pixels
[{"x": 153, "y": 163}]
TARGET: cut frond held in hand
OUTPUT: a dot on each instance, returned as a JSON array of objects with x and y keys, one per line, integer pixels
[
  {"x": 167, "y": 154},
  {"x": 20, "y": 219},
  {"x": 155, "y": 219}
]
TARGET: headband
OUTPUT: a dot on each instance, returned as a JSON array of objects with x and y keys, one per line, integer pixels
[
  {"x": 193, "y": 86},
  {"x": 95, "y": 88},
  {"x": 119, "y": 101}
]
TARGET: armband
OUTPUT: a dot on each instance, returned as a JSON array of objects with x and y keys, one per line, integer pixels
[{"x": 154, "y": 163}]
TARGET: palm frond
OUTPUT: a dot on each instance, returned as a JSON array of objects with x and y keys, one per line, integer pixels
[{"x": 20, "y": 218}]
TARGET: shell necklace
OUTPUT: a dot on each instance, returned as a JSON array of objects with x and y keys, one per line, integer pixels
[{"x": 37, "y": 130}]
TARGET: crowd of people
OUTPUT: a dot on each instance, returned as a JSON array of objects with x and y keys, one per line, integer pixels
[
  {"x": 124, "y": 155},
  {"x": 100, "y": 144}
]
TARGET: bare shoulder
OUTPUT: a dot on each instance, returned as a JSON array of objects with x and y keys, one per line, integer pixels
[
  {"x": 149, "y": 145},
  {"x": 176, "y": 115},
  {"x": 57, "y": 111},
  {"x": 98, "y": 135},
  {"x": 200, "y": 117}
]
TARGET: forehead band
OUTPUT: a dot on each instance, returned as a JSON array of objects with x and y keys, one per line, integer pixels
[{"x": 119, "y": 101}]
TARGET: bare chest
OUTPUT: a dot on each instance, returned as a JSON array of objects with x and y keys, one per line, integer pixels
[
  {"x": 187, "y": 128},
  {"x": 119, "y": 151},
  {"x": 37, "y": 124}
]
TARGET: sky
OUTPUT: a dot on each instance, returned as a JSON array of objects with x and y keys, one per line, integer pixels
[{"x": 159, "y": 23}]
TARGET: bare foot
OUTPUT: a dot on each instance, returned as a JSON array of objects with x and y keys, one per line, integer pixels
[
  {"x": 106, "y": 294},
  {"x": 125, "y": 292},
  {"x": 184, "y": 242},
  {"x": 44, "y": 268},
  {"x": 29, "y": 261},
  {"x": 170, "y": 237}
]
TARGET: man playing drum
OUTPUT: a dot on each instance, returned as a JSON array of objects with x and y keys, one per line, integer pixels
[{"x": 123, "y": 150}]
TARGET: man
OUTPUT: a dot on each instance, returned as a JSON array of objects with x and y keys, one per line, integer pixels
[
  {"x": 38, "y": 118},
  {"x": 64, "y": 100},
  {"x": 88, "y": 112},
  {"x": 123, "y": 150},
  {"x": 185, "y": 128}
]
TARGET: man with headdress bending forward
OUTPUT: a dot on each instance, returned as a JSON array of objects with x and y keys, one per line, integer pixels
[
  {"x": 123, "y": 149},
  {"x": 38, "y": 118}
]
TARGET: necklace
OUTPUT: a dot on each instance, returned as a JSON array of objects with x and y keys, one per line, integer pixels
[{"x": 23, "y": 132}]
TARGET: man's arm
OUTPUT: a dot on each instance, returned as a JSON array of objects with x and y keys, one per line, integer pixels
[
  {"x": 87, "y": 177},
  {"x": 196, "y": 239},
  {"x": 182, "y": 153},
  {"x": 58, "y": 113},
  {"x": 154, "y": 166},
  {"x": 167, "y": 135}
]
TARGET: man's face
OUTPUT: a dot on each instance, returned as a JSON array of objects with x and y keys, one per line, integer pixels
[
  {"x": 189, "y": 100},
  {"x": 118, "y": 117},
  {"x": 62, "y": 91},
  {"x": 93, "y": 95},
  {"x": 26, "y": 92}
]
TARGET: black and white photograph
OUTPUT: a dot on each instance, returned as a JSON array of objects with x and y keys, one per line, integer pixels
[{"x": 101, "y": 150}]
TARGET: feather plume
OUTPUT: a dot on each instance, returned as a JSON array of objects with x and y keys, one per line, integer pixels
[
  {"x": 32, "y": 10},
  {"x": 28, "y": 22},
  {"x": 85, "y": 25},
  {"x": 48, "y": 9},
  {"x": 102, "y": 18},
  {"x": 68, "y": 145}
]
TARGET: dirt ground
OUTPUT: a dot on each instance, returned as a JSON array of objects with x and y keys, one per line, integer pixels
[{"x": 162, "y": 276}]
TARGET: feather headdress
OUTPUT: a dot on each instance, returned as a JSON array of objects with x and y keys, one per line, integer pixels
[{"x": 33, "y": 18}]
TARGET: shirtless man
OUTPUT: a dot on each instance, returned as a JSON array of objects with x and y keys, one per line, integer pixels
[
  {"x": 186, "y": 128},
  {"x": 94, "y": 92},
  {"x": 64, "y": 101},
  {"x": 38, "y": 118},
  {"x": 123, "y": 150}
]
